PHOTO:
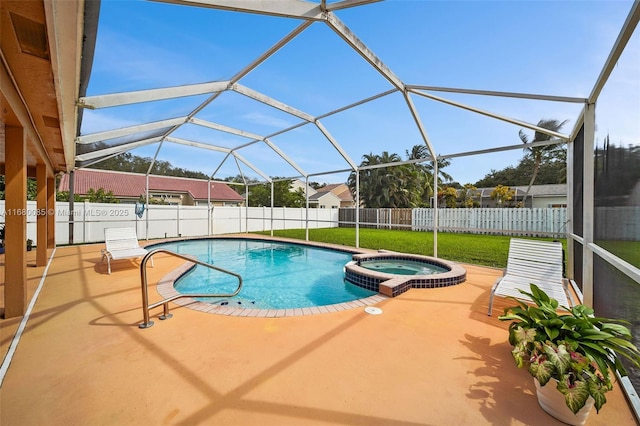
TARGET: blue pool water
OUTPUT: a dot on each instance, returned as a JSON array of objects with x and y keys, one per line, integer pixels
[{"x": 275, "y": 275}]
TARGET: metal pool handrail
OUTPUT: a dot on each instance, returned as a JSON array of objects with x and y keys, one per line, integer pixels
[{"x": 145, "y": 288}]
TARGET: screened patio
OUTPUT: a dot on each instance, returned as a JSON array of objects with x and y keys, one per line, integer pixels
[{"x": 603, "y": 230}]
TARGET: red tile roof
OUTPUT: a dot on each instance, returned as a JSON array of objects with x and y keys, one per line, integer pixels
[{"x": 124, "y": 184}]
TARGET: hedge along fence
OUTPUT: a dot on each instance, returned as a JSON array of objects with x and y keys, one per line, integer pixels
[{"x": 537, "y": 222}]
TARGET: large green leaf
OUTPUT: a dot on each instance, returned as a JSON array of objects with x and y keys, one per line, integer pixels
[
  {"x": 616, "y": 329},
  {"x": 597, "y": 392},
  {"x": 543, "y": 371},
  {"x": 575, "y": 394},
  {"x": 525, "y": 335},
  {"x": 558, "y": 356}
]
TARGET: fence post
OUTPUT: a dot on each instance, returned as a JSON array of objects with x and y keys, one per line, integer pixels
[
  {"x": 178, "y": 220},
  {"x": 85, "y": 208}
]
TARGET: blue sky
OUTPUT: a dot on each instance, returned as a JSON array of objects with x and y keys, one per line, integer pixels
[{"x": 544, "y": 47}]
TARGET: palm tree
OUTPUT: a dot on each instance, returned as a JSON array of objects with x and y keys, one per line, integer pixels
[
  {"x": 386, "y": 186},
  {"x": 420, "y": 151},
  {"x": 540, "y": 153}
]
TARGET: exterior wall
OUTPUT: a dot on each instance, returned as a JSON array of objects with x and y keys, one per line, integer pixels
[
  {"x": 544, "y": 202},
  {"x": 172, "y": 198},
  {"x": 329, "y": 201},
  {"x": 298, "y": 184}
]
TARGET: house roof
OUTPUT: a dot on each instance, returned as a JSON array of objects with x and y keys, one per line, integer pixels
[
  {"x": 556, "y": 190},
  {"x": 340, "y": 190},
  {"x": 124, "y": 184},
  {"x": 546, "y": 190},
  {"x": 318, "y": 195}
]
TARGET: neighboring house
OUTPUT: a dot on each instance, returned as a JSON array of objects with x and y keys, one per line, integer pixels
[
  {"x": 540, "y": 196},
  {"x": 332, "y": 196},
  {"x": 298, "y": 184},
  {"x": 128, "y": 187}
]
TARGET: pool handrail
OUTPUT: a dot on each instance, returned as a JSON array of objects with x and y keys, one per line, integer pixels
[{"x": 145, "y": 287}]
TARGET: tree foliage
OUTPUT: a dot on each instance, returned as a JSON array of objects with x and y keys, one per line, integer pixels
[
  {"x": 553, "y": 170},
  {"x": 260, "y": 194},
  {"x": 100, "y": 196},
  {"x": 128, "y": 162},
  {"x": 502, "y": 194},
  {"x": 448, "y": 196},
  {"x": 32, "y": 190},
  {"x": 93, "y": 196},
  {"x": 400, "y": 186},
  {"x": 65, "y": 196},
  {"x": 466, "y": 196},
  {"x": 541, "y": 153},
  {"x": 543, "y": 165}
]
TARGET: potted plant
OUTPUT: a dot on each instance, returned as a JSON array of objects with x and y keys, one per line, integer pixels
[
  {"x": 572, "y": 348},
  {"x": 29, "y": 244}
]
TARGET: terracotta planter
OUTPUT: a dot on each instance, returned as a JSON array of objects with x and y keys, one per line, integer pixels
[{"x": 552, "y": 401}]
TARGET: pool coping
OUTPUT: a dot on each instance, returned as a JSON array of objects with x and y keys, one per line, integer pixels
[
  {"x": 167, "y": 290},
  {"x": 393, "y": 285}
]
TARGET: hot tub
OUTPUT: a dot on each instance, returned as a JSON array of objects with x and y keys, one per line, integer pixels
[{"x": 394, "y": 273}]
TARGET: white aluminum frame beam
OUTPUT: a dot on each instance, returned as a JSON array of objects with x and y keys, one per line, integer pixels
[
  {"x": 285, "y": 157},
  {"x": 504, "y": 148},
  {"x": 125, "y": 131},
  {"x": 220, "y": 165},
  {"x": 226, "y": 129},
  {"x": 358, "y": 45},
  {"x": 251, "y": 166},
  {"x": 195, "y": 144},
  {"x": 250, "y": 93},
  {"x": 421, "y": 129},
  {"x": 347, "y": 3},
  {"x": 90, "y": 163},
  {"x": 498, "y": 94},
  {"x": 336, "y": 145},
  {"x": 492, "y": 115},
  {"x": 127, "y": 98},
  {"x": 254, "y": 137},
  {"x": 117, "y": 149},
  {"x": 284, "y": 8},
  {"x": 273, "y": 49},
  {"x": 358, "y": 103},
  {"x": 626, "y": 32}
]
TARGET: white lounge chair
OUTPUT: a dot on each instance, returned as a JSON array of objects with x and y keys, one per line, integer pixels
[
  {"x": 537, "y": 262},
  {"x": 121, "y": 243}
]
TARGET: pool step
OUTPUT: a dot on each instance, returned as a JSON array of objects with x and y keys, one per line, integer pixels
[{"x": 395, "y": 286}]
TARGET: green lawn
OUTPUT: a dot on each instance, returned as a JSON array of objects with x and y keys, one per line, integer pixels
[
  {"x": 486, "y": 250},
  {"x": 626, "y": 250}
]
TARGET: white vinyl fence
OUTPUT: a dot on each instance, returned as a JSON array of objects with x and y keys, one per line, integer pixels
[
  {"x": 159, "y": 221},
  {"x": 534, "y": 222}
]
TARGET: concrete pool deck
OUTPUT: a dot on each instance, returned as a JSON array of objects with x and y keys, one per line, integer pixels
[{"x": 433, "y": 357}]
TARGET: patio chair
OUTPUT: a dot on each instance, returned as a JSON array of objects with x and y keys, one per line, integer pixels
[
  {"x": 121, "y": 243},
  {"x": 537, "y": 262}
]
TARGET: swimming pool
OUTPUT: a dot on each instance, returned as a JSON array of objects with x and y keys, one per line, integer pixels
[{"x": 276, "y": 275}]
